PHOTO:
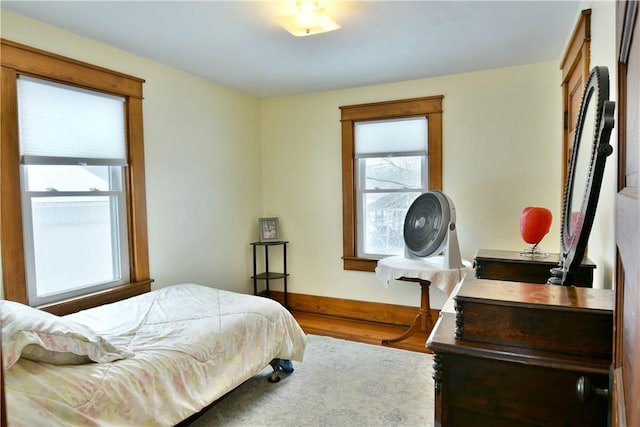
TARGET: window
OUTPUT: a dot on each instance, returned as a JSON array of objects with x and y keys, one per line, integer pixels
[
  {"x": 391, "y": 160},
  {"x": 391, "y": 153},
  {"x": 74, "y": 217},
  {"x": 73, "y": 152}
]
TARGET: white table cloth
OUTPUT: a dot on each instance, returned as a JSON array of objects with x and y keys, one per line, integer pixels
[{"x": 430, "y": 269}]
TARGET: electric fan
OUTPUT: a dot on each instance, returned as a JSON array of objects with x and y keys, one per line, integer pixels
[{"x": 430, "y": 228}]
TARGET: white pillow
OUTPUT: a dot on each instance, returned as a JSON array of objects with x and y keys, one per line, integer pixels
[{"x": 44, "y": 337}]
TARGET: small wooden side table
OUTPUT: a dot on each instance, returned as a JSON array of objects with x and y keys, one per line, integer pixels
[
  {"x": 511, "y": 266},
  {"x": 423, "y": 321}
]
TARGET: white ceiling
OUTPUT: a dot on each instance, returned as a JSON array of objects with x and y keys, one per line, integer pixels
[{"x": 239, "y": 44}]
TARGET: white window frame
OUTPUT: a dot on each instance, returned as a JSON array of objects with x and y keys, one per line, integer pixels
[
  {"x": 49, "y": 144},
  {"x": 119, "y": 231}
]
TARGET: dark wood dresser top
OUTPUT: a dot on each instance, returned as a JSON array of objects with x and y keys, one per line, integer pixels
[{"x": 500, "y": 292}]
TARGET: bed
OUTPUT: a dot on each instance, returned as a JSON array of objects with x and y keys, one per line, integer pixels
[{"x": 154, "y": 359}]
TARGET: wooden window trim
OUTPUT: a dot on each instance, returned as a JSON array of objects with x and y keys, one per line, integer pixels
[
  {"x": 20, "y": 59},
  {"x": 430, "y": 107},
  {"x": 577, "y": 53}
]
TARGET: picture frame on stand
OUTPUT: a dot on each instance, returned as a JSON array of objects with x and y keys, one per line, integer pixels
[{"x": 268, "y": 228}]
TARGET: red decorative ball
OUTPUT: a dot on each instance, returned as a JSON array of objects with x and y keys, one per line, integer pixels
[{"x": 535, "y": 223}]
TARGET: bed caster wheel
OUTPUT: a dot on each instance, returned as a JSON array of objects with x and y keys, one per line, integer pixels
[{"x": 274, "y": 377}]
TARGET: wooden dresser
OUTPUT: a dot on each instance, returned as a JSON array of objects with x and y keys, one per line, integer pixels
[
  {"x": 511, "y": 266},
  {"x": 514, "y": 354}
]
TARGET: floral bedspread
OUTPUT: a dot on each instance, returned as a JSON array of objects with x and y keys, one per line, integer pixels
[{"x": 191, "y": 344}]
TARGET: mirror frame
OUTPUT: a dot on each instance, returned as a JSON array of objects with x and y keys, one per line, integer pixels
[{"x": 575, "y": 234}]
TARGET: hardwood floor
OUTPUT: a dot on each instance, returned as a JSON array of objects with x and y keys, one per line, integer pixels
[
  {"x": 361, "y": 331},
  {"x": 366, "y": 322}
]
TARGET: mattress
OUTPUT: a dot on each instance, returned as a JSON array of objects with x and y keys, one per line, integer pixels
[{"x": 190, "y": 345}]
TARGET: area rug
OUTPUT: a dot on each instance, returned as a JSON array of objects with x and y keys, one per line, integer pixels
[{"x": 339, "y": 383}]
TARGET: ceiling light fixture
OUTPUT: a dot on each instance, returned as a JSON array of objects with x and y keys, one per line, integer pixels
[{"x": 310, "y": 19}]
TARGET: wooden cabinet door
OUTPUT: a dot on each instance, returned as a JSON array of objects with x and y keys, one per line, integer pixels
[{"x": 626, "y": 377}]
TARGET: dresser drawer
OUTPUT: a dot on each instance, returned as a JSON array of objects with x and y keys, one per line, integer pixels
[{"x": 486, "y": 392}]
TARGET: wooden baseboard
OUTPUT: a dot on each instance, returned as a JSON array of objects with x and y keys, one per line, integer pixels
[{"x": 351, "y": 309}]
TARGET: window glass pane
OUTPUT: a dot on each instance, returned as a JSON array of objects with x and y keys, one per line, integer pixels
[
  {"x": 383, "y": 215},
  {"x": 392, "y": 172},
  {"x": 72, "y": 178},
  {"x": 391, "y": 136},
  {"x": 64, "y": 121},
  {"x": 75, "y": 242}
]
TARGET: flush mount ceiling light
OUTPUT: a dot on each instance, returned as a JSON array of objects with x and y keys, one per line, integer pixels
[{"x": 309, "y": 19}]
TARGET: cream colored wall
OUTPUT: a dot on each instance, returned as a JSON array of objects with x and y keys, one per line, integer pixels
[
  {"x": 502, "y": 139},
  {"x": 202, "y": 157}
]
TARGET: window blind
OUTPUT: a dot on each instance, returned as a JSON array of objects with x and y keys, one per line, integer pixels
[
  {"x": 395, "y": 136},
  {"x": 59, "y": 122}
]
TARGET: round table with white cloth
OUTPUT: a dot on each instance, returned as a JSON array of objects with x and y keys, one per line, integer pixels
[
  {"x": 424, "y": 271},
  {"x": 431, "y": 269}
]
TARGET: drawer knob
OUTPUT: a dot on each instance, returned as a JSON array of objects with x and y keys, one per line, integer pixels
[{"x": 585, "y": 390}]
